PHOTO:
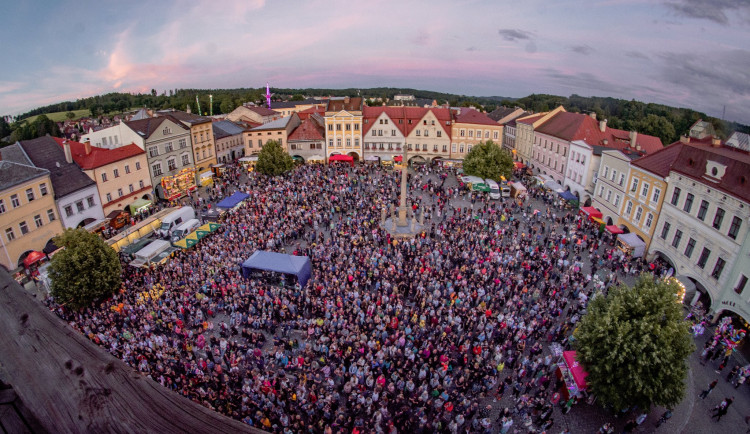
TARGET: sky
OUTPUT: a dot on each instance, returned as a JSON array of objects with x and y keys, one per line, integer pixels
[{"x": 684, "y": 53}]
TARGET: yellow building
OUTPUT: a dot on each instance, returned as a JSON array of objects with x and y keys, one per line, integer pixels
[
  {"x": 645, "y": 191},
  {"x": 344, "y": 127},
  {"x": 28, "y": 216},
  {"x": 471, "y": 127}
]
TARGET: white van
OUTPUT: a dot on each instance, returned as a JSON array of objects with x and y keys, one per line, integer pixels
[
  {"x": 504, "y": 189},
  {"x": 184, "y": 229},
  {"x": 174, "y": 219},
  {"x": 494, "y": 188}
]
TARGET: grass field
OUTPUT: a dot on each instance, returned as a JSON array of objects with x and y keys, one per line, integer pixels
[{"x": 61, "y": 116}]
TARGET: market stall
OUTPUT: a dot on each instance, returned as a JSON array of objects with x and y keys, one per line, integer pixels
[
  {"x": 206, "y": 178},
  {"x": 517, "y": 190},
  {"x": 139, "y": 205},
  {"x": 631, "y": 244},
  {"x": 614, "y": 230},
  {"x": 178, "y": 185},
  {"x": 341, "y": 158},
  {"x": 232, "y": 201},
  {"x": 590, "y": 212},
  {"x": 317, "y": 159},
  {"x": 573, "y": 374}
]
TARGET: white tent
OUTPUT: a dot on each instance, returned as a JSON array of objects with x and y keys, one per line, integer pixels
[{"x": 632, "y": 243}]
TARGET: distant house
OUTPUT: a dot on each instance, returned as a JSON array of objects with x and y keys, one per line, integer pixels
[{"x": 259, "y": 115}]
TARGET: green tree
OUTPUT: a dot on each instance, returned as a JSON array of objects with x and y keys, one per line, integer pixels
[
  {"x": 634, "y": 344},
  {"x": 273, "y": 160},
  {"x": 297, "y": 97},
  {"x": 95, "y": 110},
  {"x": 85, "y": 271},
  {"x": 658, "y": 126},
  {"x": 487, "y": 160},
  {"x": 227, "y": 105},
  {"x": 70, "y": 115}
]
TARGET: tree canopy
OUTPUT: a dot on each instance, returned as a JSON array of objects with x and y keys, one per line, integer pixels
[
  {"x": 487, "y": 160},
  {"x": 86, "y": 270},
  {"x": 273, "y": 160},
  {"x": 634, "y": 344}
]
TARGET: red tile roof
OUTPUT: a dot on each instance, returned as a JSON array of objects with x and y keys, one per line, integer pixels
[
  {"x": 348, "y": 104},
  {"x": 304, "y": 114},
  {"x": 472, "y": 116},
  {"x": 530, "y": 119},
  {"x": 307, "y": 130},
  {"x": 408, "y": 114},
  {"x": 692, "y": 161},
  {"x": 575, "y": 126},
  {"x": 99, "y": 156},
  {"x": 661, "y": 161}
]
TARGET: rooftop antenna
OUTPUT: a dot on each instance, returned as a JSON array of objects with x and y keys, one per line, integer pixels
[
  {"x": 724, "y": 112},
  {"x": 268, "y": 95}
]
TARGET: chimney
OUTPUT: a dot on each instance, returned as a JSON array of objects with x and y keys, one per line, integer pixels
[
  {"x": 87, "y": 147},
  {"x": 593, "y": 115},
  {"x": 633, "y": 139},
  {"x": 346, "y": 100},
  {"x": 716, "y": 142},
  {"x": 603, "y": 125},
  {"x": 684, "y": 139},
  {"x": 150, "y": 113},
  {"x": 68, "y": 154}
]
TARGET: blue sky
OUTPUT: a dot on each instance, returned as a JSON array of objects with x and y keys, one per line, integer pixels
[{"x": 686, "y": 53}]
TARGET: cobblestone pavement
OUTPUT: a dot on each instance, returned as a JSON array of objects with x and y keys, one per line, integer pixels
[{"x": 691, "y": 416}]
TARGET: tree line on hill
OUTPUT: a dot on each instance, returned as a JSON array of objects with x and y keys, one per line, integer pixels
[{"x": 659, "y": 120}]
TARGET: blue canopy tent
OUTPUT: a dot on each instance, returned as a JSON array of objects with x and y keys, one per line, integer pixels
[
  {"x": 567, "y": 195},
  {"x": 300, "y": 266},
  {"x": 233, "y": 200}
]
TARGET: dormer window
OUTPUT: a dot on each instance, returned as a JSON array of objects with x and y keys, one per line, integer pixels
[{"x": 166, "y": 130}]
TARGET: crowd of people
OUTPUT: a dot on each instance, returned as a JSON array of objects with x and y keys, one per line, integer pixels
[{"x": 446, "y": 331}]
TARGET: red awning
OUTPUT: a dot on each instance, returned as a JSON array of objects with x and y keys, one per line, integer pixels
[
  {"x": 398, "y": 158},
  {"x": 32, "y": 258},
  {"x": 579, "y": 375},
  {"x": 519, "y": 165},
  {"x": 614, "y": 229},
  {"x": 340, "y": 157},
  {"x": 591, "y": 212}
]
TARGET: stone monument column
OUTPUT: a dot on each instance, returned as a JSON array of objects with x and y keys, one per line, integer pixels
[{"x": 402, "y": 205}]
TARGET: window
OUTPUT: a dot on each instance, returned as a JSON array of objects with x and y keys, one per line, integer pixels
[
  {"x": 702, "y": 210},
  {"x": 606, "y": 172},
  {"x": 434, "y": 148},
  {"x": 734, "y": 229},
  {"x": 140, "y": 184},
  {"x": 665, "y": 230},
  {"x": 628, "y": 208},
  {"x": 153, "y": 151},
  {"x": 43, "y": 188},
  {"x": 356, "y": 127},
  {"x": 462, "y": 133},
  {"x": 166, "y": 130},
  {"x": 15, "y": 201},
  {"x": 137, "y": 165},
  {"x": 119, "y": 192},
  {"x": 494, "y": 135},
  {"x": 24, "y": 228},
  {"x": 171, "y": 164},
  {"x": 426, "y": 133},
  {"x": 453, "y": 148},
  {"x": 704, "y": 257},
  {"x": 338, "y": 127},
  {"x": 109, "y": 197},
  {"x": 419, "y": 133},
  {"x": 622, "y": 179},
  {"x": 445, "y": 148},
  {"x": 130, "y": 188},
  {"x": 90, "y": 201},
  {"x": 30, "y": 194},
  {"x": 677, "y": 238},
  {"x": 348, "y": 127},
  {"x": 338, "y": 142},
  {"x": 656, "y": 195},
  {"x": 38, "y": 220},
  {"x": 688, "y": 202},
  {"x": 9, "y": 234},
  {"x": 649, "y": 220},
  {"x": 718, "y": 218},
  {"x": 634, "y": 187},
  {"x": 393, "y": 133},
  {"x": 116, "y": 173},
  {"x": 644, "y": 189},
  {"x": 168, "y": 148},
  {"x": 609, "y": 195},
  {"x": 614, "y": 175},
  {"x": 356, "y": 142},
  {"x": 330, "y": 143},
  {"x": 185, "y": 160},
  {"x": 638, "y": 214},
  {"x": 601, "y": 190},
  {"x": 51, "y": 215},
  {"x": 330, "y": 127},
  {"x": 348, "y": 142},
  {"x": 104, "y": 177},
  {"x": 127, "y": 169},
  {"x": 424, "y": 147},
  {"x": 718, "y": 268},
  {"x": 617, "y": 200},
  {"x": 676, "y": 196},
  {"x": 156, "y": 168},
  {"x": 68, "y": 210},
  {"x": 741, "y": 284},
  {"x": 182, "y": 143},
  {"x": 690, "y": 247},
  {"x": 2, "y": 206},
  {"x": 79, "y": 206}
]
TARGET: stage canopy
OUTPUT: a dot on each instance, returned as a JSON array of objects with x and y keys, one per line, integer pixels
[
  {"x": 614, "y": 229},
  {"x": 300, "y": 266},
  {"x": 339, "y": 157},
  {"x": 591, "y": 212},
  {"x": 233, "y": 200},
  {"x": 579, "y": 375}
]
